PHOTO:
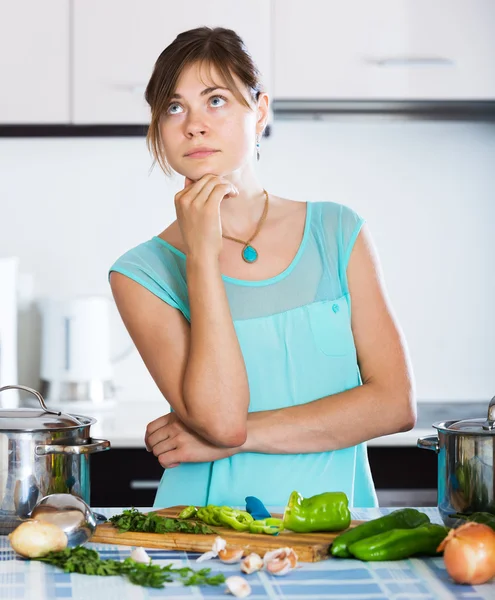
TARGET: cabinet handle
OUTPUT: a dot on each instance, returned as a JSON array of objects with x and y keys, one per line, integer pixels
[
  {"x": 129, "y": 87},
  {"x": 412, "y": 61},
  {"x": 144, "y": 484}
]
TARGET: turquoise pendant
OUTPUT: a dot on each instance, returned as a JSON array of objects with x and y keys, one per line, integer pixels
[{"x": 249, "y": 254}]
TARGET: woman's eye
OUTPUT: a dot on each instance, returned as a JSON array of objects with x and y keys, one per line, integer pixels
[
  {"x": 169, "y": 110},
  {"x": 214, "y": 100},
  {"x": 221, "y": 98}
]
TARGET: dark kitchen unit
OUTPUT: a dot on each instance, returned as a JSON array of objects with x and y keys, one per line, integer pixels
[{"x": 404, "y": 475}]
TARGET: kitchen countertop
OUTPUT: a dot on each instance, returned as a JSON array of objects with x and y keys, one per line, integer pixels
[
  {"x": 124, "y": 423},
  {"x": 343, "y": 579}
]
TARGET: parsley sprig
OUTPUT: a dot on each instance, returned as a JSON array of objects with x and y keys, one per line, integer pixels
[
  {"x": 134, "y": 520},
  {"x": 88, "y": 562}
]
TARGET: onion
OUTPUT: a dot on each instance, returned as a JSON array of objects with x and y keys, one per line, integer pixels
[
  {"x": 33, "y": 539},
  {"x": 469, "y": 553}
]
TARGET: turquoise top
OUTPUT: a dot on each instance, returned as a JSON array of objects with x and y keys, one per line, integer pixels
[{"x": 295, "y": 335}]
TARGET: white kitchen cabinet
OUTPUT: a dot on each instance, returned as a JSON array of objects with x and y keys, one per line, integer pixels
[
  {"x": 385, "y": 49},
  {"x": 34, "y": 61},
  {"x": 116, "y": 44}
]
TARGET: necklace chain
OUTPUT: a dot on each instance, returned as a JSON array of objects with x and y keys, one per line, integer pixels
[{"x": 258, "y": 228}]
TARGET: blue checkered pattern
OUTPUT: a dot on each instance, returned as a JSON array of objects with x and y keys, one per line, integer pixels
[{"x": 342, "y": 579}]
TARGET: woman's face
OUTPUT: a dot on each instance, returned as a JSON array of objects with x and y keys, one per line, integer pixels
[{"x": 200, "y": 116}]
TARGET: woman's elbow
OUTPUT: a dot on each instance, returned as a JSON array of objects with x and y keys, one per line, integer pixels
[
  {"x": 227, "y": 437},
  {"x": 408, "y": 414}
]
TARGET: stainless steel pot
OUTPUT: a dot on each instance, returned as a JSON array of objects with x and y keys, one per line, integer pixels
[
  {"x": 42, "y": 452},
  {"x": 466, "y": 452}
]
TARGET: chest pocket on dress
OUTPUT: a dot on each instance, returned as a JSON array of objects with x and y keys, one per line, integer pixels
[{"x": 331, "y": 327}]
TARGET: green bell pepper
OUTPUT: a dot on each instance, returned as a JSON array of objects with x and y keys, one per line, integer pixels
[
  {"x": 239, "y": 520},
  {"x": 270, "y": 526},
  {"x": 324, "y": 512},
  {"x": 405, "y": 518},
  {"x": 210, "y": 515},
  {"x": 398, "y": 544}
]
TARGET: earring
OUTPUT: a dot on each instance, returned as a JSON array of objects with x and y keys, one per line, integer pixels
[{"x": 258, "y": 147}]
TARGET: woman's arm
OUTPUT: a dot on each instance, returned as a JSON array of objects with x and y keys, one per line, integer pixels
[
  {"x": 384, "y": 404},
  {"x": 199, "y": 367}
]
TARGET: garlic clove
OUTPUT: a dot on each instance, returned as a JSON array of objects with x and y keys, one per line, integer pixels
[
  {"x": 230, "y": 555},
  {"x": 238, "y": 586},
  {"x": 140, "y": 555},
  {"x": 251, "y": 563},
  {"x": 280, "y": 561},
  {"x": 218, "y": 545}
]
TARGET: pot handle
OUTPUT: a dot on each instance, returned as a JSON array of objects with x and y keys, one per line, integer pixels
[
  {"x": 93, "y": 446},
  {"x": 430, "y": 442}
]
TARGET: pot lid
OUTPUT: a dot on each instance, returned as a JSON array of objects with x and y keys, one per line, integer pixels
[
  {"x": 34, "y": 419},
  {"x": 29, "y": 419},
  {"x": 473, "y": 426}
]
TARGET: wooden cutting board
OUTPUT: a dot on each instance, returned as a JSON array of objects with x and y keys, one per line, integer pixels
[{"x": 310, "y": 547}]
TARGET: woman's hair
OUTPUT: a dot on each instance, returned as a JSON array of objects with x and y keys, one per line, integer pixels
[{"x": 220, "y": 48}]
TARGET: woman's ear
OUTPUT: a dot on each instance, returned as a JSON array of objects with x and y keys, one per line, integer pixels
[{"x": 263, "y": 111}]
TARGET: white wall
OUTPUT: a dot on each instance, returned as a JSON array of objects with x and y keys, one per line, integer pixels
[{"x": 69, "y": 207}]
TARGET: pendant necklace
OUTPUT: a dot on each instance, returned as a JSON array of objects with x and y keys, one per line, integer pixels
[{"x": 249, "y": 253}]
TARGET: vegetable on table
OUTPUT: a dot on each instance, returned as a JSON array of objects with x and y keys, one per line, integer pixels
[
  {"x": 469, "y": 553},
  {"x": 134, "y": 520},
  {"x": 405, "y": 518},
  {"x": 484, "y": 518},
  {"x": 226, "y": 516},
  {"x": 33, "y": 539},
  {"x": 324, "y": 512},
  {"x": 271, "y": 526},
  {"x": 88, "y": 562},
  {"x": 398, "y": 544}
]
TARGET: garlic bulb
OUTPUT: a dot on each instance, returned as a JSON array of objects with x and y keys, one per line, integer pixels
[
  {"x": 33, "y": 539},
  {"x": 251, "y": 563},
  {"x": 238, "y": 586}
]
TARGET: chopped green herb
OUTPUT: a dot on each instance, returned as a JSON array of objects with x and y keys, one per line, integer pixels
[
  {"x": 88, "y": 562},
  {"x": 134, "y": 520}
]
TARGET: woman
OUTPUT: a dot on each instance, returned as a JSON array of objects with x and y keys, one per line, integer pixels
[{"x": 273, "y": 385}]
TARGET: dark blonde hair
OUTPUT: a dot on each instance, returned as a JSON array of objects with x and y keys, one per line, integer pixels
[{"x": 220, "y": 48}]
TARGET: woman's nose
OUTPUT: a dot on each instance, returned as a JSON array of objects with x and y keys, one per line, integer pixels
[{"x": 196, "y": 125}]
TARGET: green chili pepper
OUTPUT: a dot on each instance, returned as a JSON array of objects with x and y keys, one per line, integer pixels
[
  {"x": 478, "y": 517},
  {"x": 188, "y": 512},
  {"x": 237, "y": 519},
  {"x": 324, "y": 512},
  {"x": 405, "y": 518},
  {"x": 398, "y": 544},
  {"x": 270, "y": 526}
]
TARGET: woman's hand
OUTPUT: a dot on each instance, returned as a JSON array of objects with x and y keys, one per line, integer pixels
[
  {"x": 198, "y": 214},
  {"x": 174, "y": 443}
]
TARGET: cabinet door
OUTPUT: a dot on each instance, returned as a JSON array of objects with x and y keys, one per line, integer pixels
[
  {"x": 326, "y": 50},
  {"x": 384, "y": 50},
  {"x": 34, "y": 61},
  {"x": 451, "y": 49},
  {"x": 116, "y": 44}
]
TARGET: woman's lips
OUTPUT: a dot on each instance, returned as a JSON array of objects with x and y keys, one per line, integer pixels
[{"x": 201, "y": 154}]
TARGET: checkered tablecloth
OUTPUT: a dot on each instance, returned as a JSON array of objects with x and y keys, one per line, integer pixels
[{"x": 342, "y": 579}]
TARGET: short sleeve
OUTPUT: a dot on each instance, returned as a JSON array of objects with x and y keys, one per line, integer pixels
[
  {"x": 350, "y": 226},
  {"x": 158, "y": 273}
]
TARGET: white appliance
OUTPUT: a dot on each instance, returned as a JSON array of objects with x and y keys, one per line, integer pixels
[
  {"x": 8, "y": 329},
  {"x": 75, "y": 350}
]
